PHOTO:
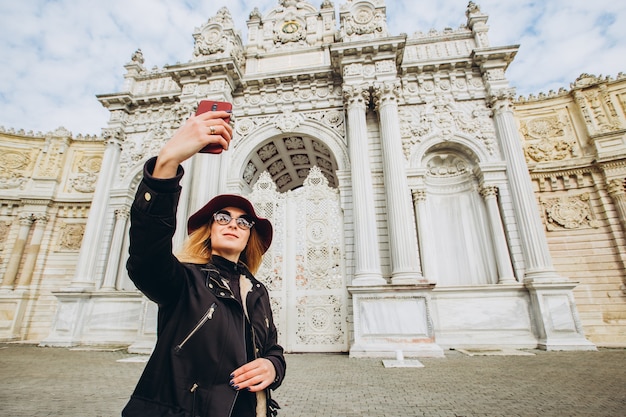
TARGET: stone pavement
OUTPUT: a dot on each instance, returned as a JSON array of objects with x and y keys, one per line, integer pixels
[{"x": 38, "y": 382}]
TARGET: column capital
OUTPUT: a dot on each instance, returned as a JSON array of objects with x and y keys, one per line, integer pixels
[
  {"x": 387, "y": 91},
  {"x": 615, "y": 187},
  {"x": 356, "y": 95},
  {"x": 122, "y": 213},
  {"x": 501, "y": 100},
  {"x": 489, "y": 191},
  {"x": 26, "y": 219},
  {"x": 40, "y": 218},
  {"x": 419, "y": 196},
  {"x": 113, "y": 136}
]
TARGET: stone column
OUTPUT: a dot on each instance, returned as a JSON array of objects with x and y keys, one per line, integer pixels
[
  {"x": 367, "y": 254},
  {"x": 403, "y": 247},
  {"x": 534, "y": 242},
  {"x": 503, "y": 257},
  {"x": 33, "y": 250},
  {"x": 85, "y": 278},
  {"x": 425, "y": 236},
  {"x": 618, "y": 194},
  {"x": 115, "y": 253},
  {"x": 553, "y": 308},
  {"x": 26, "y": 221}
]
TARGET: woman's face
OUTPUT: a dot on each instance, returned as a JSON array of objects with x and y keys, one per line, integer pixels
[{"x": 228, "y": 241}]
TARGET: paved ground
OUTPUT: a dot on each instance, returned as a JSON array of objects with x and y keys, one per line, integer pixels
[{"x": 38, "y": 382}]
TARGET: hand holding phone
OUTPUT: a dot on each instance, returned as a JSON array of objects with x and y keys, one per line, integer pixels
[{"x": 209, "y": 105}]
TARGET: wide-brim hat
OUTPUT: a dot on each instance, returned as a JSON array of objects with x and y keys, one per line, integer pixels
[{"x": 205, "y": 215}]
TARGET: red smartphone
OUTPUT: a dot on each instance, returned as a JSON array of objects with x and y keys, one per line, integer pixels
[{"x": 209, "y": 105}]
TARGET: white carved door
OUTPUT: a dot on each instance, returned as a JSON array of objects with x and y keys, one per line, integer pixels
[{"x": 304, "y": 268}]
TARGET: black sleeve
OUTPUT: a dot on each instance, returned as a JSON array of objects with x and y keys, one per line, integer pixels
[{"x": 151, "y": 265}]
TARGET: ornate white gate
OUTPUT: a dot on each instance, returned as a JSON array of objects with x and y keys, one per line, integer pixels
[{"x": 304, "y": 268}]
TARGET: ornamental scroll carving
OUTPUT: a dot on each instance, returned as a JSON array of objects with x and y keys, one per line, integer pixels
[
  {"x": 290, "y": 26},
  {"x": 84, "y": 173},
  {"x": 269, "y": 203},
  {"x": 288, "y": 121},
  {"x": 545, "y": 140},
  {"x": 138, "y": 147},
  {"x": 444, "y": 165},
  {"x": 51, "y": 158},
  {"x": 443, "y": 118},
  {"x": 16, "y": 167},
  {"x": 5, "y": 226},
  {"x": 569, "y": 212},
  {"x": 218, "y": 39},
  {"x": 595, "y": 104},
  {"x": 363, "y": 21},
  {"x": 70, "y": 236}
]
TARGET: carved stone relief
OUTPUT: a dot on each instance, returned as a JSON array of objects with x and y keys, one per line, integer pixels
[
  {"x": 604, "y": 120},
  {"x": 363, "y": 20},
  {"x": 447, "y": 165},
  {"x": 139, "y": 146},
  {"x": 569, "y": 212},
  {"x": 51, "y": 157},
  {"x": 421, "y": 89},
  {"x": 289, "y": 121},
  {"x": 292, "y": 24},
  {"x": 292, "y": 97},
  {"x": 84, "y": 173},
  {"x": 70, "y": 236},
  {"x": 596, "y": 105},
  {"x": 5, "y": 226},
  {"x": 218, "y": 39},
  {"x": 546, "y": 140},
  {"x": 359, "y": 70},
  {"x": 439, "y": 50},
  {"x": 16, "y": 166},
  {"x": 445, "y": 119}
]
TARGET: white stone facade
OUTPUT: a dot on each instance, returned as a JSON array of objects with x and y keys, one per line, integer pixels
[{"x": 405, "y": 207}]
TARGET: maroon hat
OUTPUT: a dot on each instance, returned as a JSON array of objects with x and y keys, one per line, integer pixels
[{"x": 205, "y": 215}]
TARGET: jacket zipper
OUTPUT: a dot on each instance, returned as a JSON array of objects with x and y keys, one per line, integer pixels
[
  {"x": 193, "y": 406},
  {"x": 207, "y": 316}
]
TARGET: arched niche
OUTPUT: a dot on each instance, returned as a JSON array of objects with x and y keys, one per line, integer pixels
[{"x": 460, "y": 230}]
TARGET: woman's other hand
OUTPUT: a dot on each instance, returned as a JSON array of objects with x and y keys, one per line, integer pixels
[{"x": 254, "y": 376}]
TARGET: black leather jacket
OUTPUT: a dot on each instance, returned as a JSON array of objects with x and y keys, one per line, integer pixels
[{"x": 201, "y": 325}]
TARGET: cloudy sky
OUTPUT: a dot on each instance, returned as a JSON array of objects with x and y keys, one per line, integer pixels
[{"x": 56, "y": 55}]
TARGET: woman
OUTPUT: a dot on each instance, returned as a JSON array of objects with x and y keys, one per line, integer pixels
[{"x": 216, "y": 352}]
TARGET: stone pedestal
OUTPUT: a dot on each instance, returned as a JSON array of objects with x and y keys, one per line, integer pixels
[
  {"x": 147, "y": 334},
  {"x": 557, "y": 323},
  {"x": 12, "y": 309},
  {"x": 95, "y": 318},
  {"x": 392, "y": 318}
]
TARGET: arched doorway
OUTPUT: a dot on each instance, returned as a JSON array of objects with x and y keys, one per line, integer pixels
[{"x": 304, "y": 268}]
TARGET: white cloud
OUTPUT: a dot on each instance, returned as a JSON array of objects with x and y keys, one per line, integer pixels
[{"x": 57, "y": 55}]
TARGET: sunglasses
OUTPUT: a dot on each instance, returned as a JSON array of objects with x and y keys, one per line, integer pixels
[{"x": 223, "y": 218}]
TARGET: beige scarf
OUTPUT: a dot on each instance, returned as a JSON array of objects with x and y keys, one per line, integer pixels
[{"x": 245, "y": 286}]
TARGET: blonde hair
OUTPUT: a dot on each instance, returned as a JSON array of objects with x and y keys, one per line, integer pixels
[{"x": 197, "y": 248}]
